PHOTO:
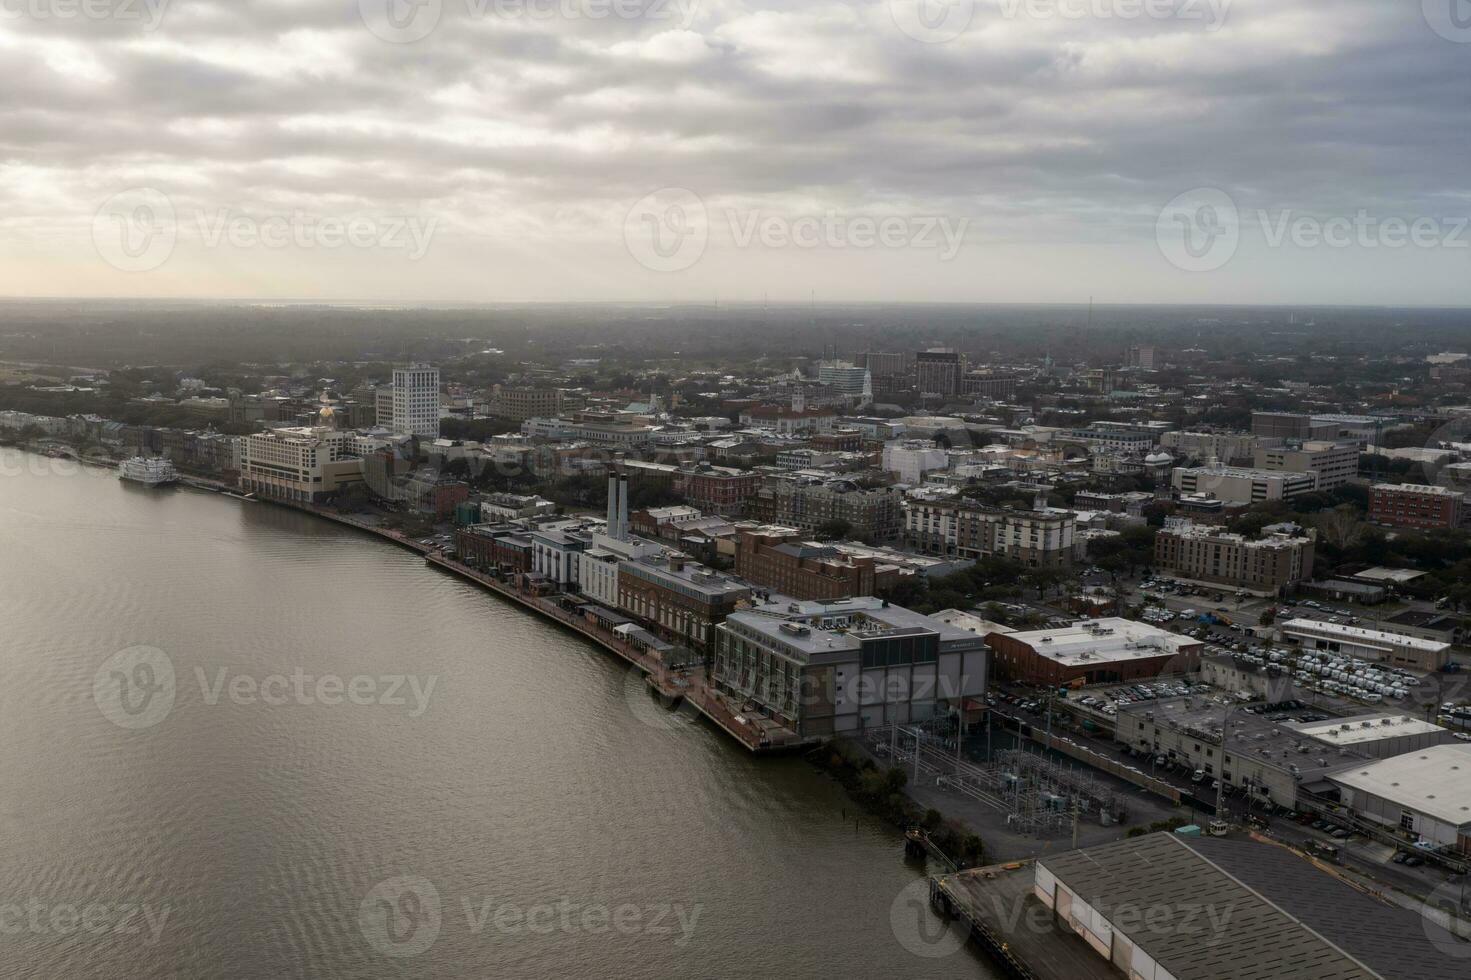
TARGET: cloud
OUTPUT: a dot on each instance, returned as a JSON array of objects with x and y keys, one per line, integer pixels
[{"x": 529, "y": 128}]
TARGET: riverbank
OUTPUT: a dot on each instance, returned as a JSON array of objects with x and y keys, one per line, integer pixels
[{"x": 687, "y": 685}]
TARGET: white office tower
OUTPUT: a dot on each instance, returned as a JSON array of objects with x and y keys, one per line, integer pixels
[{"x": 416, "y": 401}]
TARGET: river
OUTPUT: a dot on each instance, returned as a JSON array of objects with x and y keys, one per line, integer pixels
[{"x": 239, "y": 741}]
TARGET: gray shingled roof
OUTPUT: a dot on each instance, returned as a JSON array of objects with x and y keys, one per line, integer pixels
[
  {"x": 1388, "y": 939},
  {"x": 1202, "y": 921}
]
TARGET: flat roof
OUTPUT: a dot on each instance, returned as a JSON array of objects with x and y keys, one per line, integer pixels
[
  {"x": 1436, "y": 781},
  {"x": 1103, "y": 640},
  {"x": 1383, "y": 574},
  {"x": 1364, "y": 728},
  {"x": 1243, "y": 734},
  {"x": 1366, "y": 636},
  {"x": 970, "y": 622}
]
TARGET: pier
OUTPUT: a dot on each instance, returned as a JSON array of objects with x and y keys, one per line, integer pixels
[{"x": 1011, "y": 924}]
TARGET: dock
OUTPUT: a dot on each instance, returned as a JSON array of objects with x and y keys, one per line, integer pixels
[{"x": 1013, "y": 927}]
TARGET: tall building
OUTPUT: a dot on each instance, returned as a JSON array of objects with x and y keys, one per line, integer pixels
[
  {"x": 416, "y": 400},
  {"x": 852, "y": 381},
  {"x": 887, "y": 365},
  {"x": 1141, "y": 357},
  {"x": 938, "y": 371},
  {"x": 383, "y": 406}
]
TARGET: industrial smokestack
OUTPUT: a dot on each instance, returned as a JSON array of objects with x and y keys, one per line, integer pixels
[{"x": 622, "y": 507}]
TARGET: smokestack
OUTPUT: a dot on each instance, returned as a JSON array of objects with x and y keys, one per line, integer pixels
[{"x": 623, "y": 507}]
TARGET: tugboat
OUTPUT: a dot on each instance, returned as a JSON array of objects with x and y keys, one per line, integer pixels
[{"x": 151, "y": 471}]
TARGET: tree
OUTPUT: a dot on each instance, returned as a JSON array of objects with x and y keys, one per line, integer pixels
[
  {"x": 1341, "y": 527},
  {"x": 834, "y": 530}
]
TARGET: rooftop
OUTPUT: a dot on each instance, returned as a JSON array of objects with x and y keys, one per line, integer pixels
[
  {"x": 1366, "y": 636},
  {"x": 1422, "y": 488},
  {"x": 1103, "y": 640},
  {"x": 1246, "y": 733},
  {"x": 1364, "y": 728},
  {"x": 1259, "y": 912},
  {"x": 1436, "y": 781}
]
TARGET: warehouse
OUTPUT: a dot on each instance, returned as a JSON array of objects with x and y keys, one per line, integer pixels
[
  {"x": 1245, "y": 751},
  {"x": 1165, "y": 906},
  {"x": 1426, "y": 793},
  {"x": 1379, "y": 736},
  {"x": 1396, "y": 649}
]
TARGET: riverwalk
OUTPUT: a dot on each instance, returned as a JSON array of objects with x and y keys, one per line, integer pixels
[{"x": 757, "y": 735}]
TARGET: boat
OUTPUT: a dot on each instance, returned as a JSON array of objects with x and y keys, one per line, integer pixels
[{"x": 152, "y": 471}]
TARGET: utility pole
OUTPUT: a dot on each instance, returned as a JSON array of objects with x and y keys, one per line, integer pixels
[{"x": 916, "y": 754}]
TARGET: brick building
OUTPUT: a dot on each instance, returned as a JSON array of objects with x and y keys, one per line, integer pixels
[
  {"x": 1103, "y": 651},
  {"x": 1415, "y": 505},
  {"x": 778, "y": 559},
  {"x": 683, "y": 601}
]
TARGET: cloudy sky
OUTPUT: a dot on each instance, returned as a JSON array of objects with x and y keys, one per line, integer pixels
[{"x": 1253, "y": 151}]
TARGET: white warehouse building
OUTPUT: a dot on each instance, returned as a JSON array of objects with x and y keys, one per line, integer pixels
[
  {"x": 1426, "y": 793},
  {"x": 1396, "y": 649}
]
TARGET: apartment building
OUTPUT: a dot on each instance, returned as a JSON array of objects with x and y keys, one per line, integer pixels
[
  {"x": 808, "y": 503},
  {"x": 1202, "y": 553},
  {"x": 718, "y": 490},
  {"x": 1335, "y": 464},
  {"x": 1416, "y": 505},
  {"x": 966, "y": 529},
  {"x": 303, "y": 464}
]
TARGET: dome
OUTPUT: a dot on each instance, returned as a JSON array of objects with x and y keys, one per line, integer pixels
[{"x": 1159, "y": 458}]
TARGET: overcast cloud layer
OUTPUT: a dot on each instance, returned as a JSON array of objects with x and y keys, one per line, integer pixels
[{"x": 677, "y": 150}]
